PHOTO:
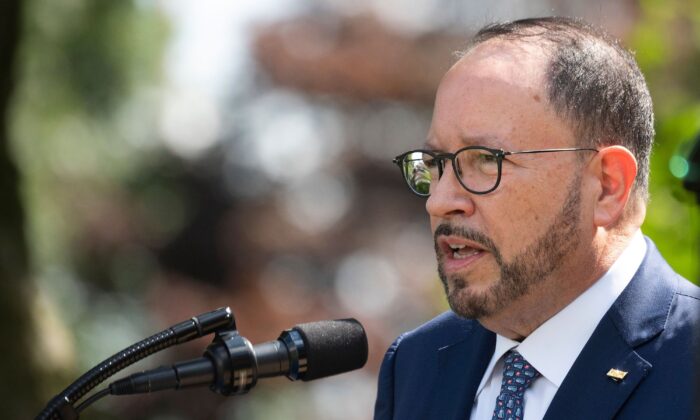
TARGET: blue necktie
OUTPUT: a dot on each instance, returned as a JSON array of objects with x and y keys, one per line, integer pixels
[{"x": 518, "y": 374}]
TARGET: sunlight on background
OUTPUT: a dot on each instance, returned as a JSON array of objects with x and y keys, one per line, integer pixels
[{"x": 178, "y": 156}]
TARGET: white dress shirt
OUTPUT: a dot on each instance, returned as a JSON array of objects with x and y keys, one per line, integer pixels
[{"x": 554, "y": 346}]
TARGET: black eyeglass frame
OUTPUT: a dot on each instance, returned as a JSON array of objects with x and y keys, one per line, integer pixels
[{"x": 500, "y": 154}]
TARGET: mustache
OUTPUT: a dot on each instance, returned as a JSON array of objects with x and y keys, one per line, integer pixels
[{"x": 446, "y": 229}]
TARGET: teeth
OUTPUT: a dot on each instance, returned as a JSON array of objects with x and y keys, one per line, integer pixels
[
  {"x": 457, "y": 247},
  {"x": 460, "y": 256}
]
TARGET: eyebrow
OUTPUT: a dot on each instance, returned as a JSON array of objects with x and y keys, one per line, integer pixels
[
  {"x": 428, "y": 146},
  {"x": 488, "y": 141}
]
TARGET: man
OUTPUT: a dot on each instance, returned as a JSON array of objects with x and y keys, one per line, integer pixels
[{"x": 535, "y": 172}]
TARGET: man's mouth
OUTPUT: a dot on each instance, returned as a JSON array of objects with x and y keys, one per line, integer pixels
[{"x": 460, "y": 252}]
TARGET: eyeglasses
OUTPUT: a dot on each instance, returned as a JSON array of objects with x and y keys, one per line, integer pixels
[{"x": 477, "y": 168}]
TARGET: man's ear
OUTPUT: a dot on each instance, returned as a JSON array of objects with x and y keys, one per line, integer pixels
[{"x": 616, "y": 169}]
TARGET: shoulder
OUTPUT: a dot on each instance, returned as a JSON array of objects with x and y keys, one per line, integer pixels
[
  {"x": 410, "y": 365},
  {"x": 666, "y": 306},
  {"x": 688, "y": 291},
  {"x": 414, "y": 348},
  {"x": 421, "y": 346},
  {"x": 657, "y": 290},
  {"x": 671, "y": 355},
  {"x": 443, "y": 330},
  {"x": 685, "y": 308}
]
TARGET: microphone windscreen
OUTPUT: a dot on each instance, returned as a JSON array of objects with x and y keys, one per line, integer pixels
[{"x": 333, "y": 347}]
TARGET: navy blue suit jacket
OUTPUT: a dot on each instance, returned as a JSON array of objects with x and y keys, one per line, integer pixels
[{"x": 433, "y": 372}]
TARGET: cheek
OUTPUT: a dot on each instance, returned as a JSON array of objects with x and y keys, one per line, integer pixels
[{"x": 517, "y": 218}]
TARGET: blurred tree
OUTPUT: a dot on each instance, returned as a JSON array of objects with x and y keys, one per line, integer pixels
[
  {"x": 667, "y": 44},
  {"x": 18, "y": 388},
  {"x": 103, "y": 197},
  {"x": 82, "y": 120}
]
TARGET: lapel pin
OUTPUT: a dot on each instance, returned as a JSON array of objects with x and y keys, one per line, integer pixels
[{"x": 616, "y": 375}]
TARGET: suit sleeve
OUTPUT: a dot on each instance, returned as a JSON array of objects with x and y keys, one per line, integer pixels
[{"x": 384, "y": 406}]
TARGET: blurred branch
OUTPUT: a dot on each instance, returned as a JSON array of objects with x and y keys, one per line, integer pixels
[
  {"x": 357, "y": 58},
  {"x": 18, "y": 389}
]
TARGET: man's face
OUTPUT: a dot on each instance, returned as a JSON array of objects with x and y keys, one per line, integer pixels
[{"x": 497, "y": 248}]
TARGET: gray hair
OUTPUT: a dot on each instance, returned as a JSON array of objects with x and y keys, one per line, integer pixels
[{"x": 592, "y": 82}]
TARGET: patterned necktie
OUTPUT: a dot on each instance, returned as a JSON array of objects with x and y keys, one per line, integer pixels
[{"x": 518, "y": 374}]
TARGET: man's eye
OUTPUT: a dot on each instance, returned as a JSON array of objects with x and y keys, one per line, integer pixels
[
  {"x": 487, "y": 158},
  {"x": 430, "y": 162}
]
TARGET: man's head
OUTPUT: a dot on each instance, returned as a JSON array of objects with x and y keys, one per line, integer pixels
[
  {"x": 592, "y": 82},
  {"x": 535, "y": 85}
]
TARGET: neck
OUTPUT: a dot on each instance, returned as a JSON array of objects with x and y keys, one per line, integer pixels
[{"x": 583, "y": 268}]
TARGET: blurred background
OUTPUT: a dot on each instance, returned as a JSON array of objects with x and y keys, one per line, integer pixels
[{"x": 159, "y": 159}]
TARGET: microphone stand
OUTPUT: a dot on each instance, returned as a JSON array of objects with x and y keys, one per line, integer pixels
[{"x": 61, "y": 407}]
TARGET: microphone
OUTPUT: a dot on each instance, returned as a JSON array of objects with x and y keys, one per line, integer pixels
[{"x": 232, "y": 365}]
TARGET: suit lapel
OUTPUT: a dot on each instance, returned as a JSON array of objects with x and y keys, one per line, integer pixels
[
  {"x": 460, "y": 368},
  {"x": 638, "y": 315},
  {"x": 587, "y": 392}
]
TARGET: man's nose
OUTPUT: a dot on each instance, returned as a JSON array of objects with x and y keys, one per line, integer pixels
[{"x": 448, "y": 197}]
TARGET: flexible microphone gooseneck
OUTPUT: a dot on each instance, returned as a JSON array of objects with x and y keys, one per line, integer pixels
[
  {"x": 232, "y": 365},
  {"x": 61, "y": 406}
]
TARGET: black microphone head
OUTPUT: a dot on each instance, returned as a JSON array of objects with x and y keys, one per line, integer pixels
[{"x": 333, "y": 347}]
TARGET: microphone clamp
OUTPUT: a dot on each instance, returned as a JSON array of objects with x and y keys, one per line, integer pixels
[
  {"x": 235, "y": 369},
  {"x": 230, "y": 365}
]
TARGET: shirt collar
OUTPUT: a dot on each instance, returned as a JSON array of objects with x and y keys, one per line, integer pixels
[{"x": 554, "y": 346}]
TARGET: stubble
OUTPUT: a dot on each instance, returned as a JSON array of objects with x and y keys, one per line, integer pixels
[{"x": 524, "y": 272}]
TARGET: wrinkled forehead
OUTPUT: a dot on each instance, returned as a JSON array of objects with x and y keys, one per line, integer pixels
[
  {"x": 497, "y": 90},
  {"x": 516, "y": 63}
]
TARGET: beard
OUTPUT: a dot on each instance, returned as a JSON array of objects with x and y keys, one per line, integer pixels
[{"x": 525, "y": 271}]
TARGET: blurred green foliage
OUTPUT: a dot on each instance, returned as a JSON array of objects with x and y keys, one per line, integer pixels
[
  {"x": 83, "y": 114},
  {"x": 83, "y": 131},
  {"x": 86, "y": 71},
  {"x": 666, "y": 40}
]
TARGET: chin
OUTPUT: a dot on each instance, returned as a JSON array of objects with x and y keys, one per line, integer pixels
[{"x": 469, "y": 303}]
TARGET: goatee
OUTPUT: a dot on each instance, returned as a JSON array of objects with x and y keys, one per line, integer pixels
[{"x": 525, "y": 271}]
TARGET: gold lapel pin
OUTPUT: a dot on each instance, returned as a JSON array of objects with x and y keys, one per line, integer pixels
[{"x": 616, "y": 375}]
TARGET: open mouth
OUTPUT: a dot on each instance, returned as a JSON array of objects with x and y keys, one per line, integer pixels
[
  {"x": 458, "y": 253},
  {"x": 462, "y": 251}
]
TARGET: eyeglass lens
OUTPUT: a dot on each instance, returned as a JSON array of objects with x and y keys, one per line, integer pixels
[{"x": 476, "y": 168}]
